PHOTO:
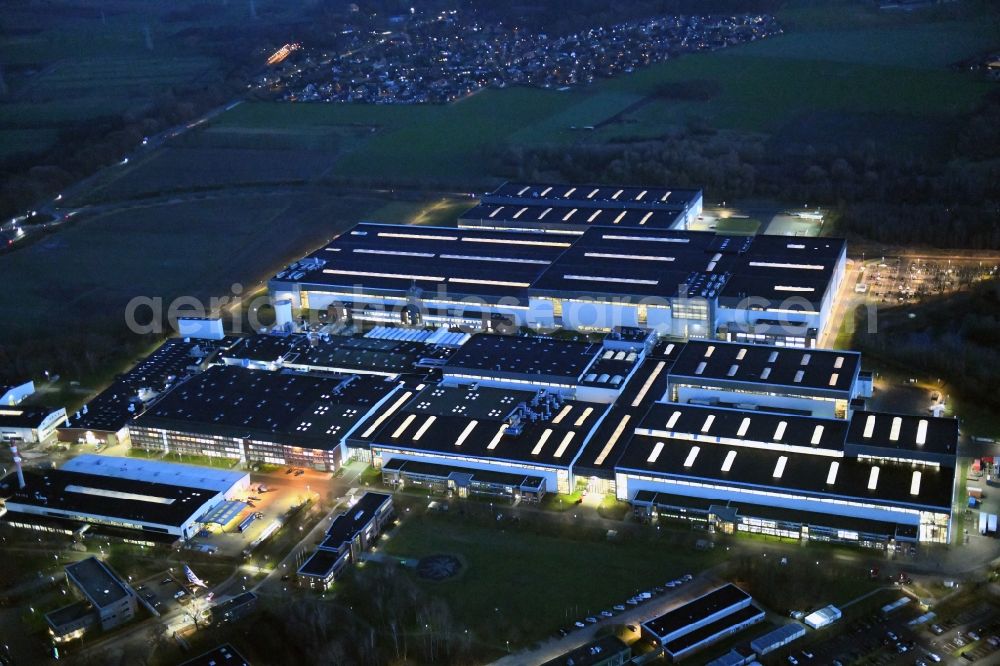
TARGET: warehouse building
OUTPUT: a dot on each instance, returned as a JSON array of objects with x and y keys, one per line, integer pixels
[
  {"x": 605, "y": 651},
  {"x": 680, "y": 283},
  {"x": 29, "y": 425},
  {"x": 686, "y": 204},
  {"x": 12, "y": 395},
  {"x": 789, "y": 475},
  {"x": 699, "y": 623},
  {"x": 567, "y": 218},
  {"x": 583, "y": 370},
  {"x": 107, "y": 601},
  {"x": 821, "y": 382},
  {"x": 147, "y": 500},
  {"x": 337, "y": 353},
  {"x": 254, "y": 416},
  {"x": 486, "y": 429},
  {"x": 105, "y": 419}
]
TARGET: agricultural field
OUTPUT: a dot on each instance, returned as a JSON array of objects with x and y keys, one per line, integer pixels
[
  {"x": 200, "y": 248},
  {"x": 192, "y": 169},
  {"x": 64, "y": 66}
]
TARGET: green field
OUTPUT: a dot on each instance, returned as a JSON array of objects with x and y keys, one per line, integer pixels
[{"x": 523, "y": 584}]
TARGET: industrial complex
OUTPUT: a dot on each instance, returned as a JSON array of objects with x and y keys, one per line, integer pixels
[
  {"x": 561, "y": 342},
  {"x": 729, "y": 436}
]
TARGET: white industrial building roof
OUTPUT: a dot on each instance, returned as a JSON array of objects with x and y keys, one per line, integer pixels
[{"x": 156, "y": 471}]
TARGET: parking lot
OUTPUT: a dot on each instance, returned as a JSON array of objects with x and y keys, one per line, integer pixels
[
  {"x": 908, "y": 635},
  {"x": 266, "y": 505}
]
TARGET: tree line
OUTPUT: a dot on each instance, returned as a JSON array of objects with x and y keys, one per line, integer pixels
[{"x": 879, "y": 194}]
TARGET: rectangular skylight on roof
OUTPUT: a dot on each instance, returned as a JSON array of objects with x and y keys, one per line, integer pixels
[
  {"x": 649, "y": 383},
  {"x": 915, "y": 483},
  {"x": 118, "y": 494},
  {"x": 806, "y": 358},
  {"x": 645, "y": 218},
  {"x": 655, "y": 453},
  {"x": 494, "y": 213},
  {"x": 776, "y": 264},
  {"x": 709, "y": 351},
  {"x": 396, "y": 234},
  {"x": 541, "y": 441},
  {"x": 897, "y": 423},
  {"x": 873, "y": 478},
  {"x": 569, "y": 192},
  {"x": 465, "y": 433},
  {"x": 779, "y": 467},
  {"x": 602, "y": 278},
  {"x": 626, "y": 257},
  {"x": 546, "y": 191},
  {"x": 672, "y": 421},
  {"x": 619, "y": 217},
  {"x": 511, "y": 241},
  {"x": 741, "y": 354},
  {"x": 779, "y": 432},
  {"x": 727, "y": 464},
  {"x": 564, "y": 444},
  {"x": 817, "y": 435},
  {"x": 708, "y": 423},
  {"x": 869, "y": 426},
  {"x": 490, "y": 283},
  {"x": 831, "y": 476},
  {"x": 386, "y": 414},
  {"x": 570, "y": 214},
  {"x": 593, "y": 192},
  {"x": 834, "y": 378},
  {"x": 389, "y": 276},
  {"x": 427, "y": 424},
  {"x": 544, "y": 213},
  {"x": 733, "y": 369},
  {"x": 839, "y": 362},
  {"x": 615, "y": 436},
  {"x": 692, "y": 456},
  {"x": 593, "y": 216},
  {"x": 520, "y": 212},
  {"x": 772, "y": 357},
  {"x": 502, "y": 260},
  {"x": 921, "y": 432},
  {"x": 562, "y": 414},
  {"x": 701, "y": 368},
  {"x": 744, "y": 426},
  {"x": 765, "y": 373},
  {"x": 394, "y": 253},
  {"x": 640, "y": 195},
  {"x": 403, "y": 426},
  {"x": 583, "y": 417},
  {"x": 646, "y": 239},
  {"x": 497, "y": 437},
  {"x": 799, "y": 374}
]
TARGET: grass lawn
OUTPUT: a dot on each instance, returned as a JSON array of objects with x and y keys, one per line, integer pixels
[
  {"x": 737, "y": 226},
  {"x": 522, "y": 584}
]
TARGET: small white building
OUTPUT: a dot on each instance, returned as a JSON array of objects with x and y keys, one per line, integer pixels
[{"x": 14, "y": 394}]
